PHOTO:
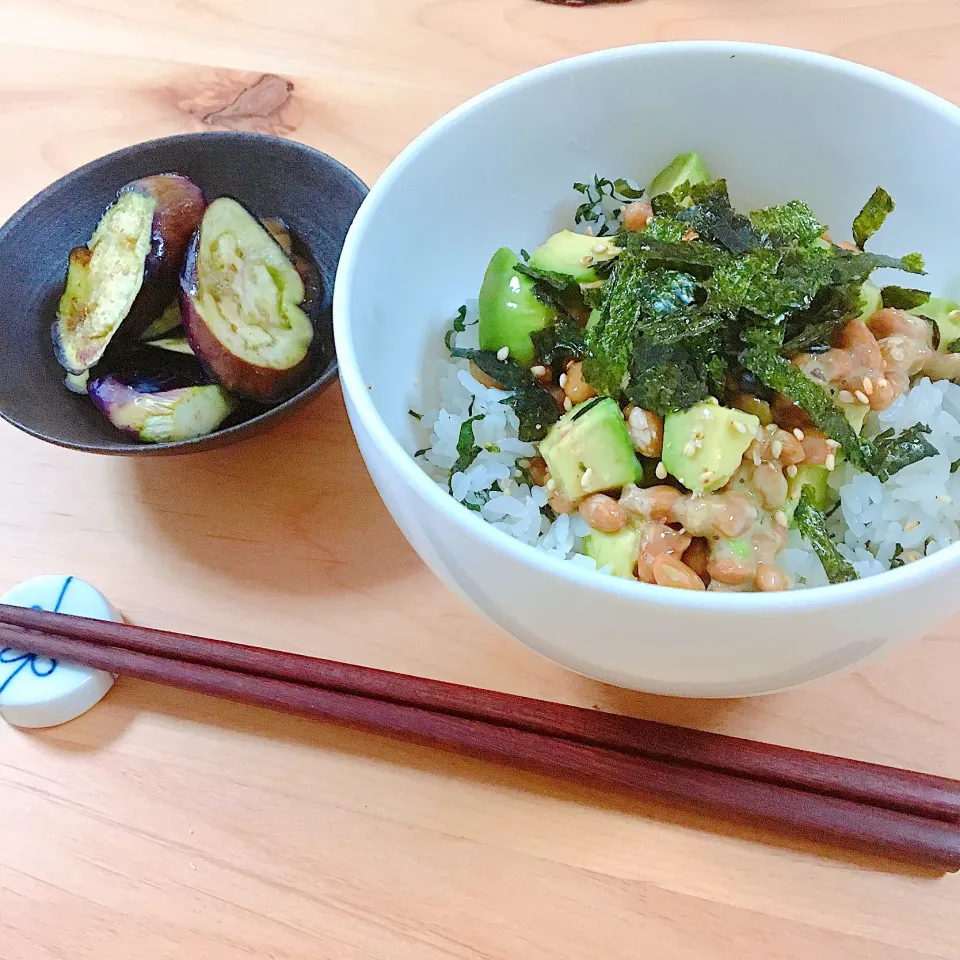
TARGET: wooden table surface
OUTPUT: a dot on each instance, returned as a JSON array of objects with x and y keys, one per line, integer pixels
[{"x": 168, "y": 825}]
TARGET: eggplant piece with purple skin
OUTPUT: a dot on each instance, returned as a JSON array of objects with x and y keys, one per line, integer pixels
[
  {"x": 119, "y": 283},
  {"x": 161, "y": 397},
  {"x": 241, "y": 301}
]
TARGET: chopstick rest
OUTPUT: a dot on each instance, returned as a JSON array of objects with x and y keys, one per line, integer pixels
[{"x": 36, "y": 691}]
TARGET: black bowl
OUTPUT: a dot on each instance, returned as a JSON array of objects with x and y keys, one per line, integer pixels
[{"x": 316, "y": 196}]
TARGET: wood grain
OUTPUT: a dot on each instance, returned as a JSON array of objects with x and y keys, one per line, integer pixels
[{"x": 167, "y": 825}]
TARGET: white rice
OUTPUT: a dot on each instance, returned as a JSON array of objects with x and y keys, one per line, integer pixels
[
  {"x": 493, "y": 482},
  {"x": 917, "y": 509}
]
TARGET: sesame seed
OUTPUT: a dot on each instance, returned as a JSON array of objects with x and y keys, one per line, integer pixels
[
  {"x": 539, "y": 370},
  {"x": 586, "y": 260},
  {"x": 798, "y": 433},
  {"x": 563, "y": 380},
  {"x": 911, "y": 525},
  {"x": 690, "y": 448},
  {"x": 776, "y": 448},
  {"x": 600, "y": 248},
  {"x": 551, "y": 484},
  {"x": 756, "y": 458},
  {"x": 831, "y": 462},
  {"x": 661, "y": 471},
  {"x": 567, "y": 404},
  {"x": 896, "y": 354},
  {"x": 882, "y": 382},
  {"x": 781, "y": 518},
  {"x": 845, "y": 396},
  {"x": 588, "y": 230},
  {"x": 862, "y": 397},
  {"x": 792, "y": 470},
  {"x": 706, "y": 476},
  {"x": 771, "y": 428},
  {"x": 738, "y": 426},
  {"x": 833, "y": 444},
  {"x": 503, "y": 353},
  {"x": 867, "y": 386},
  {"x": 944, "y": 498},
  {"x": 586, "y": 478}
]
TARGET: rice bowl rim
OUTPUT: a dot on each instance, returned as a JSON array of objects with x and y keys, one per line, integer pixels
[{"x": 832, "y": 595}]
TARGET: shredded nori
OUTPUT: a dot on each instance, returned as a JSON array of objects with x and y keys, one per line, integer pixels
[
  {"x": 890, "y": 454},
  {"x": 534, "y": 406},
  {"x": 467, "y": 448},
  {"x": 903, "y": 298},
  {"x": 811, "y": 523},
  {"x": 870, "y": 219}
]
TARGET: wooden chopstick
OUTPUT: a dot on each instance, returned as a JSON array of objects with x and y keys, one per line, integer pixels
[
  {"x": 929, "y": 843},
  {"x": 907, "y": 791}
]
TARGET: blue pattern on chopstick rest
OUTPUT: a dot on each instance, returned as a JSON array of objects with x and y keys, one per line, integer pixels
[{"x": 30, "y": 661}]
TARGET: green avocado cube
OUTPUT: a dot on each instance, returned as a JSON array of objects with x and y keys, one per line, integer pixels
[
  {"x": 682, "y": 168},
  {"x": 815, "y": 477},
  {"x": 618, "y": 551},
  {"x": 871, "y": 300},
  {"x": 946, "y": 315},
  {"x": 509, "y": 309},
  {"x": 589, "y": 450},
  {"x": 574, "y": 254},
  {"x": 703, "y": 446}
]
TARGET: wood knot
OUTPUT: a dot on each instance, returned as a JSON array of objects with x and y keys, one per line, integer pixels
[{"x": 263, "y": 103}]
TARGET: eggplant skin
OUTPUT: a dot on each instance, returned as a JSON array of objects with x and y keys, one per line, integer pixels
[
  {"x": 125, "y": 276},
  {"x": 180, "y": 206},
  {"x": 161, "y": 397},
  {"x": 260, "y": 347}
]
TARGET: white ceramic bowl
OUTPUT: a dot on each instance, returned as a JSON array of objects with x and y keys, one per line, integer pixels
[{"x": 779, "y": 124}]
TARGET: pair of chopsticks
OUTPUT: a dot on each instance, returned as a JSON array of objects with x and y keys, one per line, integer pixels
[{"x": 898, "y": 814}]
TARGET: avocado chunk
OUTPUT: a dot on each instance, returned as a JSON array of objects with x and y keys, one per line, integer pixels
[
  {"x": 682, "y": 168},
  {"x": 573, "y": 254},
  {"x": 589, "y": 450},
  {"x": 815, "y": 477},
  {"x": 946, "y": 315},
  {"x": 870, "y": 300},
  {"x": 509, "y": 309},
  {"x": 855, "y": 413},
  {"x": 703, "y": 446},
  {"x": 618, "y": 551}
]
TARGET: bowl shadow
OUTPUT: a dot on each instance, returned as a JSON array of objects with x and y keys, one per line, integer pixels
[{"x": 292, "y": 510}]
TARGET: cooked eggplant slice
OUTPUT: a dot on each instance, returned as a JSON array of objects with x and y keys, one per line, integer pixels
[
  {"x": 241, "y": 305},
  {"x": 172, "y": 344},
  {"x": 161, "y": 397},
  {"x": 121, "y": 280},
  {"x": 77, "y": 382},
  {"x": 167, "y": 322}
]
